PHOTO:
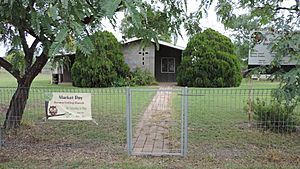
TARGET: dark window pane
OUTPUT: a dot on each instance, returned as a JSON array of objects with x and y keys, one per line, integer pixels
[
  {"x": 171, "y": 65},
  {"x": 164, "y": 65}
]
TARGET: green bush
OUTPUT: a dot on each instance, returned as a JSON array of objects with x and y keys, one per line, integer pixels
[
  {"x": 209, "y": 61},
  {"x": 141, "y": 77},
  {"x": 104, "y": 67},
  {"x": 274, "y": 116}
]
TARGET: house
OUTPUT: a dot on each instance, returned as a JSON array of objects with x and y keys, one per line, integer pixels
[{"x": 161, "y": 63}]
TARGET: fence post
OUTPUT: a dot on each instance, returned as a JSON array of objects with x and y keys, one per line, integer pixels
[
  {"x": 129, "y": 120},
  {"x": 1, "y": 137},
  {"x": 182, "y": 123},
  {"x": 185, "y": 121}
]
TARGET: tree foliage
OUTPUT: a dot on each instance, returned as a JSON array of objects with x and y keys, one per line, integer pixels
[
  {"x": 282, "y": 16},
  {"x": 156, "y": 22},
  {"x": 54, "y": 25},
  {"x": 209, "y": 61},
  {"x": 16, "y": 58},
  {"x": 104, "y": 67}
]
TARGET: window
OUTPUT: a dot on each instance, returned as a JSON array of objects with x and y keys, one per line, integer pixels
[{"x": 168, "y": 65}]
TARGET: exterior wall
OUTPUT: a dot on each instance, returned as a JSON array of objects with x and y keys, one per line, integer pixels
[
  {"x": 135, "y": 56},
  {"x": 166, "y": 52}
]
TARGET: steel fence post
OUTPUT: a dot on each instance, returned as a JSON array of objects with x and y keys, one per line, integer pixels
[
  {"x": 1, "y": 137},
  {"x": 182, "y": 123},
  {"x": 128, "y": 117},
  {"x": 185, "y": 121}
]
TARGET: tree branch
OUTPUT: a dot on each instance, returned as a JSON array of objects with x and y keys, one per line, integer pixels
[
  {"x": 34, "y": 44},
  {"x": 7, "y": 66},
  {"x": 297, "y": 4},
  {"x": 28, "y": 53},
  {"x": 296, "y": 8},
  {"x": 30, "y": 6},
  {"x": 31, "y": 32},
  {"x": 38, "y": 65},
  {"x": 89, "y": 3},
  {"x": 23, "y": 41},
  {"x": 29, "y": 57}
]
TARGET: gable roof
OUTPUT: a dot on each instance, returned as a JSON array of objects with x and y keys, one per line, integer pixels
[{"x": 159, "y": 42}]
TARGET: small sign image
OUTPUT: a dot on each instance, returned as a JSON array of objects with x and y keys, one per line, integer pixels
[{"x": 257, "y": 37}]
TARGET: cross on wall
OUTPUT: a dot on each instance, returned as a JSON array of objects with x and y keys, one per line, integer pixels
[{"x": 143, "y": 53}]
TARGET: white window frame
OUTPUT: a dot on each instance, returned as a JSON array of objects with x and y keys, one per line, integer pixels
[{"x": 161, "y": 64}]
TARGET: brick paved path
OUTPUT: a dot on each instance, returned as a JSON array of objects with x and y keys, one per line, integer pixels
[{"x": 152, "y": 134}]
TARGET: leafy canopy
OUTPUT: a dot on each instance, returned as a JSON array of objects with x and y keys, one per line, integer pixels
[
  {"x": 155, "y": 22},
  {"x": 281, "y": 16}
]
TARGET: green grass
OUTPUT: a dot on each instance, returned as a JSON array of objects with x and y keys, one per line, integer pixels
[
  {"x": 7, "y": 80},
  {"x": 218, "y": 132}
]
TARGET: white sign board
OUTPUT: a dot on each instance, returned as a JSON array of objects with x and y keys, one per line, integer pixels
[
  {"x": 261, "y": 53},
  {"x": 68, "y": 106}
]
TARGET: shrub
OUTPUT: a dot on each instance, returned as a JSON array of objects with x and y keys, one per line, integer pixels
[
  {"x": 275, "y": 115},
  {"x": 141, "y": 77},
  {"x": 104, "y": 67},
  {"x": 209, "y": 61}
]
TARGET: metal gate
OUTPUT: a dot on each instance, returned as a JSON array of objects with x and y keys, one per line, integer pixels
[{"x": 157, "y": 121}]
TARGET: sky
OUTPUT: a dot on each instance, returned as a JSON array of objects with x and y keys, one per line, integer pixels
[{"x": 209, "y": 22}]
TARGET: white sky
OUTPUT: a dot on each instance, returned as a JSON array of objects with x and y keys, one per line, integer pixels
[{"x": 209, "y": 22}]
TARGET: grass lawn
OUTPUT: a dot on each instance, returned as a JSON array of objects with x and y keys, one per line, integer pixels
[
  {"x": 42, "y": 80},
  {"x": 218, "y": 132}
]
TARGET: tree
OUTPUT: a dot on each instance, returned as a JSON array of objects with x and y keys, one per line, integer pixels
[
  {"x": 52, "y": 24},
  {"x": 156, "y": 22},
  {"x": 105, "y": 66},
  {"x": 209, "y": 61},
  {"x": 282, "y": 16}
]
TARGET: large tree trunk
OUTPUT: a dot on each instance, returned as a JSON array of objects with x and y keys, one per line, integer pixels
[
  {"x": 17, "y": 105},
  {"x": 18, "y": 102}
]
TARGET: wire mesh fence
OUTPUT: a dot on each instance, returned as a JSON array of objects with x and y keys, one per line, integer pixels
[
  {"x": 106, "y": 133},
  {"x": 223, "y": 124},
  {"x": 242, "y": 125}
]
